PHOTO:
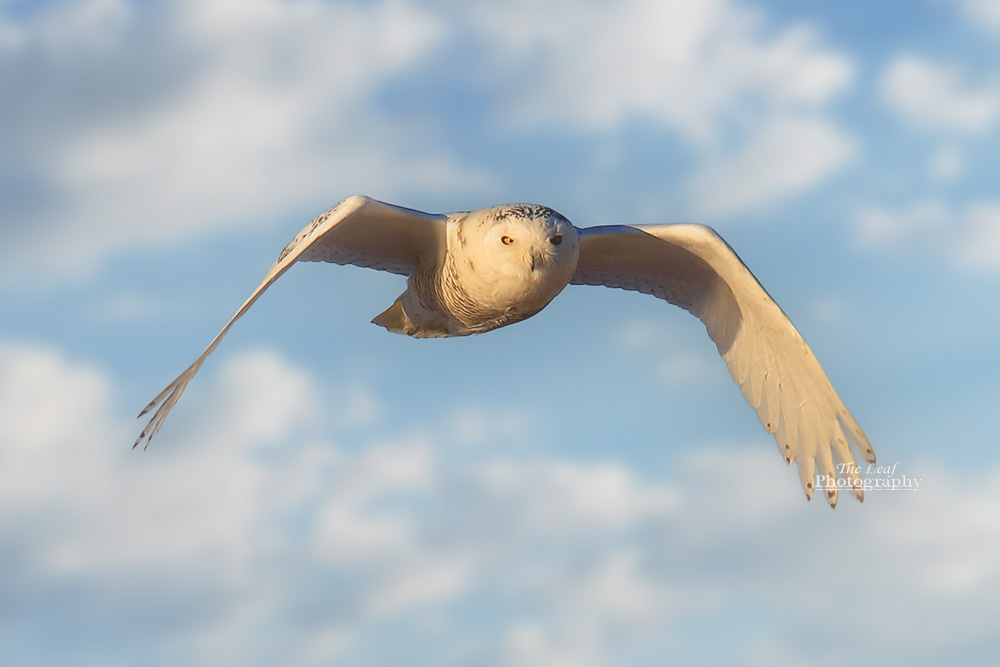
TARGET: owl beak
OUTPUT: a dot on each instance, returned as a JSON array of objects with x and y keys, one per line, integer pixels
[{"x": 535, "y": 259}]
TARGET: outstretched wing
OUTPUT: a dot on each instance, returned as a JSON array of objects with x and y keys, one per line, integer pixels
[
  {"x": 693, "y": 267},
  {"x": 359, "y": 231}
]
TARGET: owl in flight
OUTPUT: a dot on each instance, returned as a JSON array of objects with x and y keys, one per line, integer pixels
[{"x": 472, "y": 272}]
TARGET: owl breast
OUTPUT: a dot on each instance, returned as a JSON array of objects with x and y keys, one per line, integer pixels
[{"x": 481, "y": 304}]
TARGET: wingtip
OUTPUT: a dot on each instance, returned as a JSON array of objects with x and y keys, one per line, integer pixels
[
  {"x": 152, "y": 404},
  {"x": 143, "y": 436},
  {"x": 147, "y": 434}
]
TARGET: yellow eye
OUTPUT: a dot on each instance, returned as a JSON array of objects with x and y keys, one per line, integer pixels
[{"x": 506, "y": 240}]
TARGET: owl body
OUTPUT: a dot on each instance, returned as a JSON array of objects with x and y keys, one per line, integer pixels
[
  {"x": 472, "y": 272},
  {"x": 502, "y": 265}
]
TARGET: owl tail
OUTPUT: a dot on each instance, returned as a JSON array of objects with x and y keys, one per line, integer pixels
[{"x": 395, "y": 320}]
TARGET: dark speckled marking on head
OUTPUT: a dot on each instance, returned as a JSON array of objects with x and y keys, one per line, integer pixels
[
  {"x": 521, "y": 212},
  {"x": 528, "y": 211}
]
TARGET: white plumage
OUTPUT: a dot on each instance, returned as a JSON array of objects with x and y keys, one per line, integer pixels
[{"x": 472, "y": 272}]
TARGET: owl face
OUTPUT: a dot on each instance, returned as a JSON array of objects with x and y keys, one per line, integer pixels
[
  {"x": 515, "y": 257},
  {"x": 525, "y": 239}
]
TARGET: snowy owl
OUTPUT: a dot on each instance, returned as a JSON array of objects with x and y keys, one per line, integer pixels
[{"x": 472, "y": 272}]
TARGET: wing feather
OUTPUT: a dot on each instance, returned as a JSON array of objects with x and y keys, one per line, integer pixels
[
  {"x": 693, "y": 267},
  {"x": 360, "y": 231}
]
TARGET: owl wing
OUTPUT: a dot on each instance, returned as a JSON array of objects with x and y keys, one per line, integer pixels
[
  {"x": 693, "y": 267},
  {"x": 359, "y": 231}
]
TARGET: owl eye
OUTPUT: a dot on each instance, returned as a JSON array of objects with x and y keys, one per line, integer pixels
[
  {"x": 556, "y": 240},
  {"x": 506, "y": 240}
]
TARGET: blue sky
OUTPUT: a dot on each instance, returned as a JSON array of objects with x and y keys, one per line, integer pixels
[{"x": 584, "y": 488}]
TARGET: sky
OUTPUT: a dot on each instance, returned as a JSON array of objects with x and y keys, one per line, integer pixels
[{"x": 584, "y": 488}]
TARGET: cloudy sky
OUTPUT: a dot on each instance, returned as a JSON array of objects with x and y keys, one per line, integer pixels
[{"x": 585, "y": 488}]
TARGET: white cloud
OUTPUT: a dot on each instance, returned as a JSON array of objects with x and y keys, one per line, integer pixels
[
  {"x": 474, "y": 425},
  {"x": 687, "y": 65},
  {"x": 163, "y": 123},
  {"x": 226, "y": 540},
  {"x": 895, "y": 228},
  {"x": 643, "y": 338},
  {"x": 981, "y": 13},
  {"x": 43, "y": 400},
  {"x": 637, "y": 335},
  {"x": 935, "y": 96},
  {"x": 68, "y": 460},
  {"x": 244, "y": 112},
  {"x": 361, "y": 407},
  {"x": 424, "y": 581},
  {"x": 261, "y": 397},
  {"x": 946, "y": 165},
  {"x": 131, "y": 305},
  {"x": 787, "y": 157},
  {"x": 830, "y": 310},
  {"x": 688, "y": 369},
  {"x": 749, "y": 97},
  {"x": 979, "y": 244},
  {"x": 618, "y": 588},
  {"x": 530, "y": 645},
  {"x": 561, "y": 496},
  {"x": 967, "y": 236},
  {"x": 347, "y": 527}
]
